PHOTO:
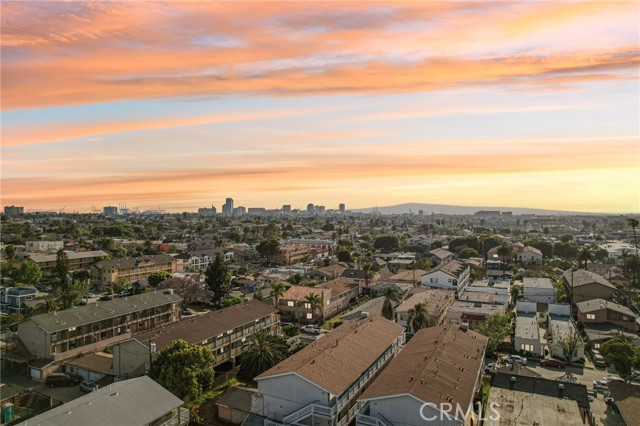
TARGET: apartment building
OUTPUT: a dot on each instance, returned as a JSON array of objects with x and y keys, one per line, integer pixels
[
  {"x": 440, "y": 367},
  {"x": 335, "y": 294},
  {"x": 39, "y": 246},
  {"x": 603, "y": 319},
  {"x": 133, "y": 269},
  {"x": 12, "y": 299},
  {"x": 530, "y": 256},
  {"x": 224, "y": 331},
  {"x": 437, "y": 302},
  {"x": 64, "y": 334},
  {"x": 539, "y": 290},
  {"x": 77, "y": 260},
  {"x": 323, "y": 381},
  {"x": 585, "y": 285},
  {"x": 452, "y": 275}
]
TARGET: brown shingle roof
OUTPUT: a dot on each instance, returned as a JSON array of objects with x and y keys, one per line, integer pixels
[
  {"x": 439, "y": 364},
  {"x": 99, "y": 362},
  {"x": 453, "y": 268},
  {"x": 597, "y": 304},
  {"x": 339, "y": 285},
  {"x": 441, "y": 253},
  {"x": 412, "y": 275},
  {"x": 201, "y": 327},
  {"x": 338, "y": 359},
  {"x": 583, "y": 277},
  {"x": 299, "y": 292},
  {"x": 435, "y": 300},
  {"x": 627, "y": 399}
]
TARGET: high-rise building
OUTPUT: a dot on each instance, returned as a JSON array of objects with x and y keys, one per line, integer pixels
[
  {"x": 240, "y": 211},
  {"x": 110, "y": 211},
  {"x": 286, "y": 209},
  {"x": 205, "y": 212},
  {"x": 311, "y": 209},
  {"x": 342, "y": 208},
  {"x": 227, "y": 208},
  {"x": 320, "y": 210},
  {"x": 13, "y": 210}
]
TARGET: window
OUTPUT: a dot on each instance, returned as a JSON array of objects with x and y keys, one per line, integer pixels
[
  {"x": 596, "y": 345},
  {"x": 591, "y": 316},
  {"x": 289, "y": 303},
  {"x": 309, "y": 316},
  {"x": 307, "y": 305},
  {"x": 525, "y": 347}
]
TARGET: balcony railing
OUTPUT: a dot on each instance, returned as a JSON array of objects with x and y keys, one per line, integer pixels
[
  {"x": 180, "y": 420},
  {"x": 365, "y": 420},
  {"x": 309, "y": 410}
]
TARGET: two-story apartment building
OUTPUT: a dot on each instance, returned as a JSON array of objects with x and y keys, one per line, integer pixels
[
  {"x": 452, "y": 275},
  {"x": 41, "y": 246},
  {"x": 322, "y": 382},
  {"x": 440, "y": 367},
  {"x": 223, "y": 331},
  {"x": 77, "y": 259},
  {"x": 198, "y": 260},
  {"x": 63, "y": 334},
  {"x": 437, "y": 302},
  {"x": 133, "y": 269},
  {"x": 539, "y": 290},
  {"x": 441, "y": 256},
  {"x": 12, "y": 299},
  {"x": 335, "y": 294},
  {"x": 602, "y": 319},
  {"x": 584, "y": 285},
  {"x": 344, "y": 291},
  {"x": 530, "y": 256}
]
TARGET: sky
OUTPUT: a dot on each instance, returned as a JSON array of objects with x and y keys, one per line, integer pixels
[{"x": 178, "y": 105}]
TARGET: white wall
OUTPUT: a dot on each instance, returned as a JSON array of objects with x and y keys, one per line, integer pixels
[
  {"x": 285, "y": 394},
  {"x": 559, "y": 309},
  {"x": 405, "y": 410}
]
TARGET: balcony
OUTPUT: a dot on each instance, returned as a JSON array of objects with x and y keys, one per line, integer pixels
[
  {"x": 365, "y": 420},
  {"x": 181, "y": 419},
  {"x": 309, "y": 410}
]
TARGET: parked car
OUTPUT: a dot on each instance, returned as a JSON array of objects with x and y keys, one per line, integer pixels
[
  {"x": 106, "y": 298},
  {"x": 188, "y": 311},
  {"x": 600, "y": 384},
  {"x": 491, "y": 366},
  {"x": 551, "y": 362},
  {"x": 88, "y": 386},
  {"x": 311, "y": 329},
  {"x": 285, "y": 324},
  {"x": 89, "y": 295},
  {"x": 125, "y": 293},
  {"x": 516, "y": 359},
  {"x": 62, "y": 379}
]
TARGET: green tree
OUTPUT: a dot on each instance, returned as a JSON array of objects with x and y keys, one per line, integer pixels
[
  {"x": 183, "y": 369},
  {"x": 61, "y": 269},
  {"x": 497, "y": 327},
  {"x": 623, "y": 355},
  {"x": 468, "y": 252},
  {"x": 119, "y": 285},
  {"x": 504, "y": 251},
  {"x": 418, "y": 317},
  {"x": 390, "y": 295},
  {"x": 268, "y": 249},
  {"x": 258, "y": 295},
  {"x": 387, "y": 243},
  {"x": 316, "y": 304},
  {"x": 262, "y": 351},
  {"x": 570, "y": 345},
  {"x": 10, "y": 251},
  {"x": 277, "y": 290},
  {"x": 515, "y": 292},
  {"x": 29, "y": 272},
  {"x": 633, "y": 223},
  {"x": 218, "y": 278},
  {"x": 344, "y": 255},
  {"x": 585, "y": 256},
  {"x": 157, "y": 277},
  {"x": 568, "y": 250}
]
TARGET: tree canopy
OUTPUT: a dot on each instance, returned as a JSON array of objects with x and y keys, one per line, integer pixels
[
  {"x": 497, "y": 327},
  {"x": 218, "y": 278},
  {"x": 387, "y": 243},
  {"x": 29, "y": 272},
  {"x": 183, "y": 369},
  {"x": 623, "y": 355},
  {"x": 157, "y": 277},
  {"x": 261, "y": 352}
]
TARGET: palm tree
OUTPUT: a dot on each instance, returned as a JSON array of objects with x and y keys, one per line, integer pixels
[
  {"x": 262, "y": 351},
  {"x": 277, "y": 290},
  {"x": 585, "y": 256},
  {"x": 418, "y": 317},
  {"x": 633, "y": 223},
  {"x": 316, "y": 303},
  {"x": 390, "y": 295},
  {"x": 366, "y": 267}
]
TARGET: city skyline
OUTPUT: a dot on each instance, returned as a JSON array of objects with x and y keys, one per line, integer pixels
[{"x": 179, "y": 105}]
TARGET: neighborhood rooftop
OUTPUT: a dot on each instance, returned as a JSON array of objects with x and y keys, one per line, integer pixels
[
  {"x": 81, "y": 315},
  {"x": 597, "y": 304},
  {"x": 199, "y": 328},
  {"x": 335, "y": 361},
  {"x": 440, "y": 364}
]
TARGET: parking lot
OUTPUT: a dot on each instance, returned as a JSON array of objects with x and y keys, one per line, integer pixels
[{"x": 64, "y": 394}]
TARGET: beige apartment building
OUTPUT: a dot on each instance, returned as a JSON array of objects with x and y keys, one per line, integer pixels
[{"x": 133, "y": 269}]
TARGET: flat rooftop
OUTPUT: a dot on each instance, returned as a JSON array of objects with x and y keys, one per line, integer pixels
[{"x": 522, "y": 408}]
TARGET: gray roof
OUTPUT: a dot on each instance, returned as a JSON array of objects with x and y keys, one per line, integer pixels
[
  {"x": 527, "y": 327},
  {"x": 238, "y": 398},
  {"x": 582, "y": 277},
  {"x": 131, "y": 262},
  {"x": 597, "y": 304},
  {"x": 537, "y": 282},
  {"x": 373, "y": 307},
  {"x": 132, "y": 402},
  {"x": 41, "y": 258},
  {"x": 98, "y": 311}
]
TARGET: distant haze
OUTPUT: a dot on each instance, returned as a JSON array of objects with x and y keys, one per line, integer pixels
[{"x": 449, "y": 209}]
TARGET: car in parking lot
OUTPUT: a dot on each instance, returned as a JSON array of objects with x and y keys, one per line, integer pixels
[
  {"x": 188, "y": 311},
  {"x": 89, "y": 295},
  {"x": 551, "y": 362},
  {"x": 491, "y": 366},
  {"x": 62, "y": 379},
  {"x": 311, "y": 329},
  {"x": 106, "y": 298},
  {"x": 516, "y": 359},
  {"x": 88, "y": 386},
  {"x": 600, "y": 384}
]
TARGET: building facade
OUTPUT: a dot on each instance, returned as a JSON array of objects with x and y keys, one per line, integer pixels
[{"x": 132, "y": 269}]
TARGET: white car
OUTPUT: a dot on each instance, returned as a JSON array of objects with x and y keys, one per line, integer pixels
[
  {"x": 516, "y": 359},
  {"x": 311, "y": 329}
]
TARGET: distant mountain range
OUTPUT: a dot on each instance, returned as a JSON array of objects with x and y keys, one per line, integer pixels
[{"x": 449, "y": 209}]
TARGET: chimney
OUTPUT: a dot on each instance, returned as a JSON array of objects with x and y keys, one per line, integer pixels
[
  {"x": 512, "y": 383},
  {"x": 561, "y": 391}
]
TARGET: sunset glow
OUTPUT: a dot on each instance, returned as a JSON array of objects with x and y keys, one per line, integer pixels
[{"x": 179, "y": 105}]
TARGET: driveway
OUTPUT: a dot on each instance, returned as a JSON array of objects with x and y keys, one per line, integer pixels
[{"x": 64, "y": 394}]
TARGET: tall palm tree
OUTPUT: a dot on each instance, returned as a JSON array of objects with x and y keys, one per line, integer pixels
[
  {"x": 277, "y": 290},
  {"x": 390, "y": 295},
  {"x": 504, "y": 251},
  {"x": 633, "y": 223},
  {"x": 316, "y": 302},
  {"x": 262, "y": 351},
  {"x": 418, "y": 317},
  {"x": 585, "y": 256}
]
